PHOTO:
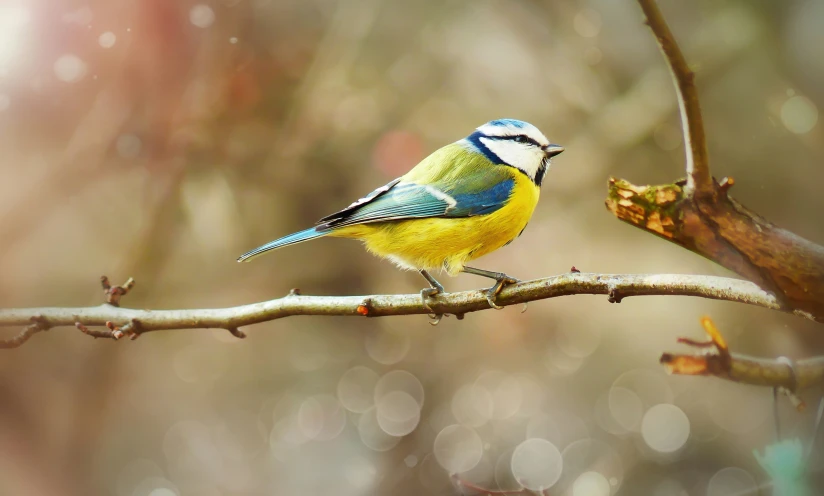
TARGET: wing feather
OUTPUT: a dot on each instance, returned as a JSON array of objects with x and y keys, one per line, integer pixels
[
  {"x": 471, "y": 186},
  {"x": 342, "y": 214},
  {"x": 411, "y": 201}
]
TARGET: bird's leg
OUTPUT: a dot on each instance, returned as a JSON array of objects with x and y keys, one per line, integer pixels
[
  {"x": 501, "y": 280},
  {"x": 435, "y": 289}
]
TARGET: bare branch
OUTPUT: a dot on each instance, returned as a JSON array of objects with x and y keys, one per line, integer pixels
[
  {"x": 699, "y": 178},
  {"x": 716, "y": 360},
  {"x": 134, "y": 322},
  {"x": 37, "y": 324}
]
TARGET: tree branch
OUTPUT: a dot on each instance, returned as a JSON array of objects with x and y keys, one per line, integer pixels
[
  {"x": 719, "y": 362},
  {"x": 699, "y": 179},
  {"x": 725, "y": 232},
  {"x": 37, "y": 324},
  {"x": 700, "y": 215},
  {"x": 134, "y": 322}
]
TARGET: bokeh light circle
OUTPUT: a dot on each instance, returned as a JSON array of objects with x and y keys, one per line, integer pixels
[
  {"x": 202, "y": 16},
  {"x": 591, "y": 483},
  {"x": 537, "y": 464},
  {"x": 635, "y": 391},
  {"x": 799, "y": 114},
  {"x": 397, "y": 413},
  {"x": 107, "y": 39},
  {"x": 665, "y": 428},
  {"x": 356, "y": 389},
  {"x": 587, "y": 23},
  {"x": 372, "y": 435},
  {"x": 321, "y": 417},
  {"x": 592, "y": 455},
  {"x": 69, "y": 68},
  {"x": 399, "y": 380},
  {"x": 458, "y": 448}
]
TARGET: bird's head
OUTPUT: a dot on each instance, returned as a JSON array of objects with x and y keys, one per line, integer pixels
[{"x": 517, "y": 144}]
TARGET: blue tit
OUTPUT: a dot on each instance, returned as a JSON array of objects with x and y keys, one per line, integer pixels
[{"x": 461, "y": 202}]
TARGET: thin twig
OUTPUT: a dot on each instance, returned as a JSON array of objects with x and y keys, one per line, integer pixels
[
  {"x": 717, "y": 360},
  {"x": 107, "y": 334},
  {"x": 617, "y": 286},
  {"x": 699, "y": 178},
  {"x": 37, "y": 324}
]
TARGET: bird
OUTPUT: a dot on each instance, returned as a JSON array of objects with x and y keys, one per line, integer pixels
[{"x": 465, "y": 200}]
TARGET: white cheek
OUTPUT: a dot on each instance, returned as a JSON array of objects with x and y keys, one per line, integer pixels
[{"x": 526, "y": 158}]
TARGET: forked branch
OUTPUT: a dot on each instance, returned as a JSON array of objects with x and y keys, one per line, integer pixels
[{"x": 700, "y": 215}]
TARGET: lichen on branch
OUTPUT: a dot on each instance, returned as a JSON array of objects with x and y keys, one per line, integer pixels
[{"x": 653, "y": 208}]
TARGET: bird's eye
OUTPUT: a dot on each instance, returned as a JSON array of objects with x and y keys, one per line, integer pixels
[{"x": 521, "y": 139}]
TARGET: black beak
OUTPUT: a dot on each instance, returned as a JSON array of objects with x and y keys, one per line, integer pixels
[{"x": 552, "y": 150}]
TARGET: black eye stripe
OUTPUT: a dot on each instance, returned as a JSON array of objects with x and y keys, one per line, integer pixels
[{"x": 521, "y": 138}]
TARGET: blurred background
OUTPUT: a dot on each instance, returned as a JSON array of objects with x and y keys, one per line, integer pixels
[{"x": 161, "y": 139}]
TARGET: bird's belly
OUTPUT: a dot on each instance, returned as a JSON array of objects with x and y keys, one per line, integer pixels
[{"x": 446, "y": 243}]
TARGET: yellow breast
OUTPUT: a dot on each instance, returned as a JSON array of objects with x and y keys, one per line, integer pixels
[{"x": 449, "y": 243}]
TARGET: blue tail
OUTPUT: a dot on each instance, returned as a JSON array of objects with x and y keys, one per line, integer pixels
[{"x": 291, "y": 239}]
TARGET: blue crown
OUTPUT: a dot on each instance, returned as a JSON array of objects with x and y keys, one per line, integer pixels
[{"x": 508, "y": 123}]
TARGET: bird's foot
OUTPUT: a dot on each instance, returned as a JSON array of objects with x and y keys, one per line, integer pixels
[
  {"x": 435, "y": 289},
  {"x": 501, "y": 281},
  {"x": 426, "y": 294}
]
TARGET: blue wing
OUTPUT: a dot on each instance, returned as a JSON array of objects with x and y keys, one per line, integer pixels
[{"x": 408, "y": 200}]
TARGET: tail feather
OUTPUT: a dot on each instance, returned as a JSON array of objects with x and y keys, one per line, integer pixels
[{"x": 291, "y": 239}]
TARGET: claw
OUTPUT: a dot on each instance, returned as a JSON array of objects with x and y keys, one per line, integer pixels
[
  {"x": 425, "y": 295},
  {"x": 500, "y": 282},
  {"x": 491, "y": 300},
  {"x": 526, "y": 305}
]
